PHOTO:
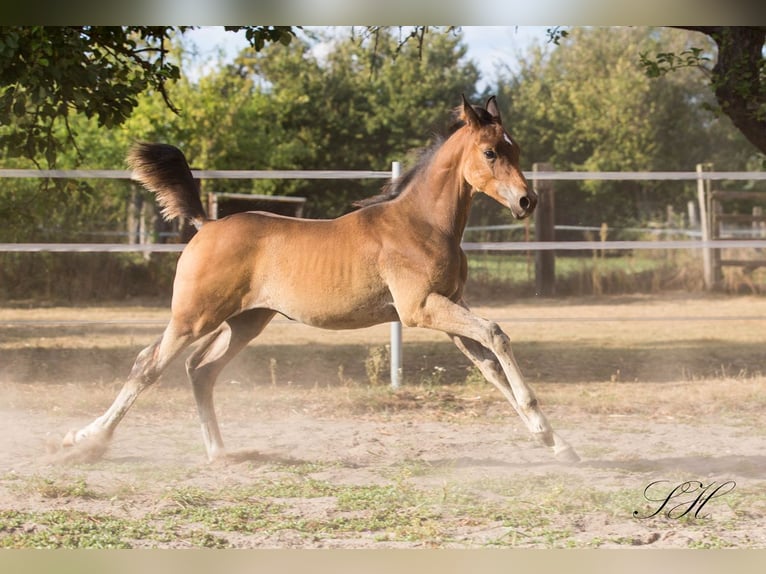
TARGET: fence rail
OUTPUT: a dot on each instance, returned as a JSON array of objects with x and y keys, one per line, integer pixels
[
  {"x": 534, "y": 175},
  {"x": 373, "y": 174},
  {"x": 544, "y": 174},
  {"x": 199, "y": 174},
  {"x": 467, "y": 246}
]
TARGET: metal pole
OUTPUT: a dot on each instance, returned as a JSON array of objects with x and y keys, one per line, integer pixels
[
  {"x": 396, "y": 327},
  {"x": 707, "y": 253}
]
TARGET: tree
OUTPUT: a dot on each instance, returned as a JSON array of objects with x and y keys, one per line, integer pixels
[
  {"x": 588, "y": 105},
  {"x": 360, "y": 106},
  {"x": 354, "y": 106},
  {"x": 738, "y": 77},
  {"x": 47, "y": 74}
]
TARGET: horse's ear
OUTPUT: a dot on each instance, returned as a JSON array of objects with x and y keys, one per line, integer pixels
[
  {"x": 469, "y": 114},
  {"x": 493, "y": 110}
]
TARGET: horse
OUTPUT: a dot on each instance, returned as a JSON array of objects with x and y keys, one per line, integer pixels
[{"x": 397, "y": 257}]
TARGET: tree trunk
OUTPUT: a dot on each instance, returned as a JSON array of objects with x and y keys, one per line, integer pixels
[{"x": 739, "y": 77}]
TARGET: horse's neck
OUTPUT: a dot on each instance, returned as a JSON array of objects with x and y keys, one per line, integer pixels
[{"x": 439, "y": 197}]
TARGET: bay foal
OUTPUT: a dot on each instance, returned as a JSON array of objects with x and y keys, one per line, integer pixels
[{"x": 397, "y": 258}]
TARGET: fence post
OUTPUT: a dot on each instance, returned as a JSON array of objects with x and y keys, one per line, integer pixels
[
  {"x": 759, "y": 227},
  {"x": 545, "y": 261},
  {"x": 692, "y": 214},
  {"x": 703, "y": 199},
  {"x": 135, "y": 219},
  {"x": 396, "y": 327}
]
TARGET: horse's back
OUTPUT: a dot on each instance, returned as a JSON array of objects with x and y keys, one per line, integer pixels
[{"x": 320, "y": 272}]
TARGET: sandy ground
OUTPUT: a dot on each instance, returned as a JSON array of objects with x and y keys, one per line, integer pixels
[{"x": 694, "y": 418}]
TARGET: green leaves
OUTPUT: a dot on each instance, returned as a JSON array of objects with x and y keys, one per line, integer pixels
[
  {"x": 590, "y": 104},
  {"x": 353, "y": 105},
  {"x": 259, "y": 36},
  {"x": 49, "y": 74},
  {"x": 663, "y": 62}
]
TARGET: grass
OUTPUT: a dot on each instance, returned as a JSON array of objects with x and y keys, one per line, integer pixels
[
  {"x": 57, "y": 488},
  {"x": 201, "y": 518},
  {"x": 500, "y": 274},
  {"x": 551, "y": 511},
  {"x": 67, "y": 529}
]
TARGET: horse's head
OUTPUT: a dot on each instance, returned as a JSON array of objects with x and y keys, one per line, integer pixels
[{"x": 491, "y": 160}]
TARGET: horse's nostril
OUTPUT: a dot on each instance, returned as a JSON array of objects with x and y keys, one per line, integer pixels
[{"x": 525, "y": 203}]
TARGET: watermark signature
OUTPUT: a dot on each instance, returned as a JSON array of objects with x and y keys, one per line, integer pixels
[{"x": 688, "y": 498}]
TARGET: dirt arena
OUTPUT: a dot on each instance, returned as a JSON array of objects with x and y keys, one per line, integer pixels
[{"x": 662, "y": 396}]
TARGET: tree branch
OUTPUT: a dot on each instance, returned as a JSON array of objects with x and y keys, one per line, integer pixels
[{"x": 738, "y": 78}]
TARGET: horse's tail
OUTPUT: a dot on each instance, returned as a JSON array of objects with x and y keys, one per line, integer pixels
[{"x": 164, "y": 171}]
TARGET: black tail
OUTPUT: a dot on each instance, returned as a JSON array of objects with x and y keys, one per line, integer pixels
[{"x": 164, "y": 171}]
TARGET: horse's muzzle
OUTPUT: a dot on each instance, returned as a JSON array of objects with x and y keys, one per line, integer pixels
[{"x": 524, "y": 205}]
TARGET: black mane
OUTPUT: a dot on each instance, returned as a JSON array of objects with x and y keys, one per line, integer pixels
[{"x": 394, "y": 189}]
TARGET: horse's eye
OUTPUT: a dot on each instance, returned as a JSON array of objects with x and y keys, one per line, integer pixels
[{"x": 490, "y": 154}]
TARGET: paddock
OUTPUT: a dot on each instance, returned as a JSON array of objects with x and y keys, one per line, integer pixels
[{"x": 655, "y": 392}]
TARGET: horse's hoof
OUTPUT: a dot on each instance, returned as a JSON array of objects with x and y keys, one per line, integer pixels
[
  {"x": 69, "y": 439},
  {"x": 67, "y": 451},
  {"x": 566, "y": 455},
  {"x": 54, "y": 443}
]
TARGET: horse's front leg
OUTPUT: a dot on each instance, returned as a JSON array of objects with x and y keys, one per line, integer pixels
[
  {"x": 489, "y": 348},
  {"x": 490, "y": 367}
]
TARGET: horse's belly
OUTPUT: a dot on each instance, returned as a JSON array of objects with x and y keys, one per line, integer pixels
[{"x": 340, "y": 312}]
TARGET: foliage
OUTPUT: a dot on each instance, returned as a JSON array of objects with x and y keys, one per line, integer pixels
[
  {"x": 588, "y": 105},
  {"x": 378, "y": 100},
  {"x": 52, "y": 72},
  {"x": 738, "y": 77},
  {"x": 664, "y": 62},
  {"x": 48, "y": 73},
  {"x": 257, "y": 113},
  {"x": 583, "y": 101}
]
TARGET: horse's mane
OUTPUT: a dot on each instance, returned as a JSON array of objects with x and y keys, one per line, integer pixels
[{"x": 394, "y": 189}]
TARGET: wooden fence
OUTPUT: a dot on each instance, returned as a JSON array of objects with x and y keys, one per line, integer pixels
[
  {"x": 755, "y": 222},
  {"x": 544, "y": 245}
]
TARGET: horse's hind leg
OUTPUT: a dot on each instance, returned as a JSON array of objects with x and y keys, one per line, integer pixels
[
  {"x": 149, "y": 364},
  {"x": 209, "y": 359},
  {"x": 490, "y": 367}
]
